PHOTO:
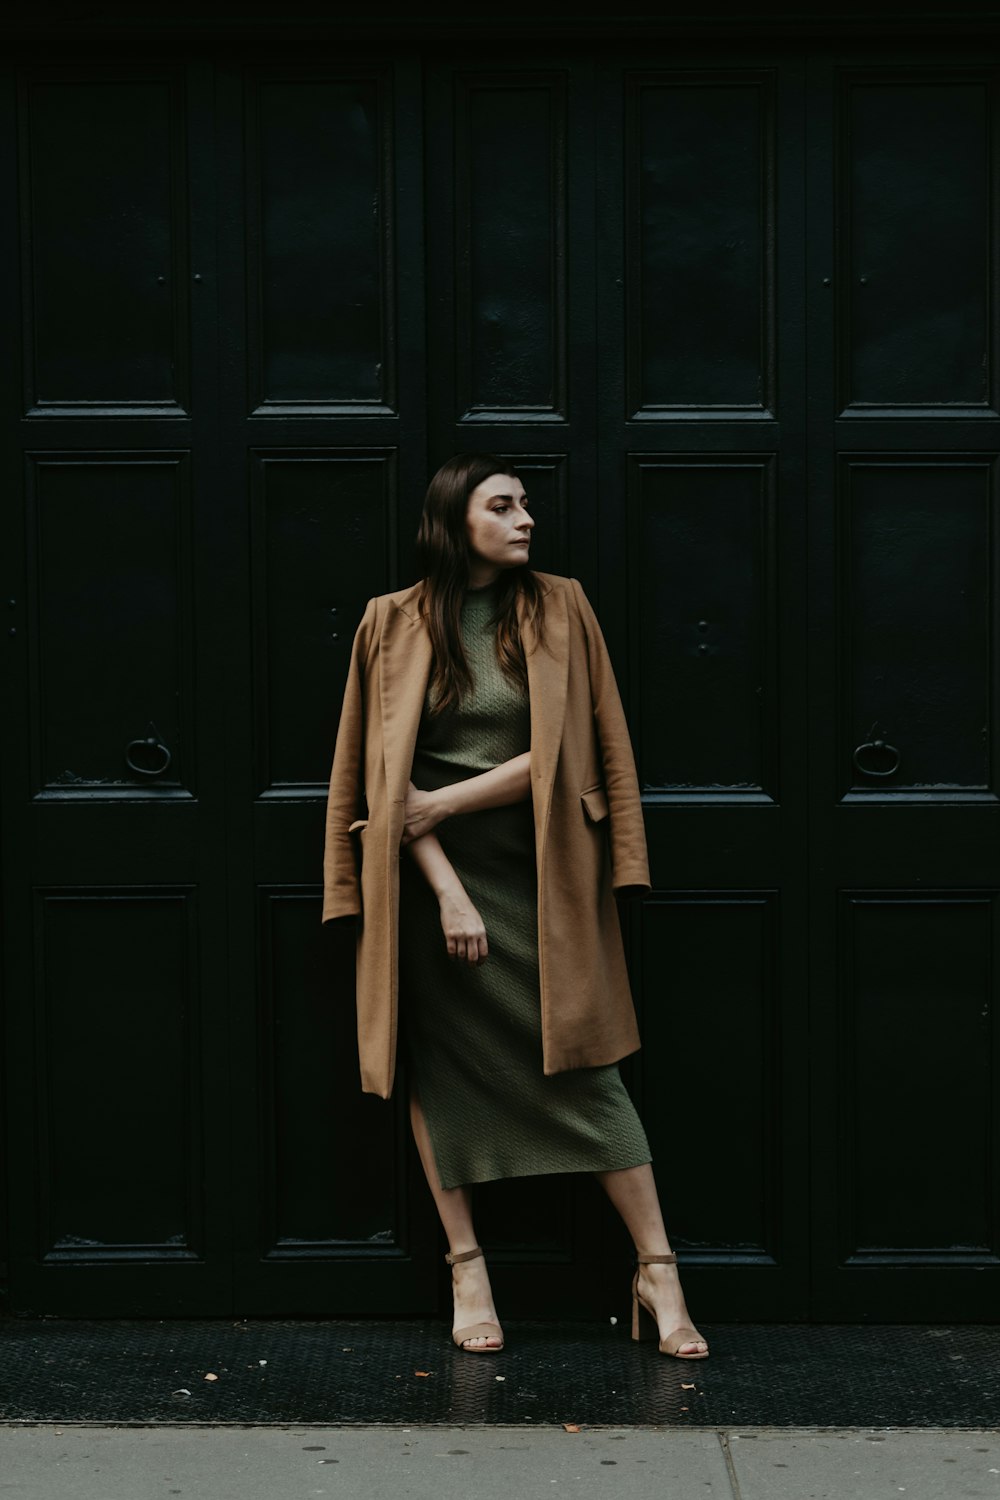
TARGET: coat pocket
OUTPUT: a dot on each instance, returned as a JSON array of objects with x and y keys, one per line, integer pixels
[{"x": 595, "y": 800}]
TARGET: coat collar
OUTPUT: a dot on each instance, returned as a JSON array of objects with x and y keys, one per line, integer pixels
[{"x": 405, "y": 653}]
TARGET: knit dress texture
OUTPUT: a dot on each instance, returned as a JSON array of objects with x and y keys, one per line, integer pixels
[{"x": 473, "y": 1034}]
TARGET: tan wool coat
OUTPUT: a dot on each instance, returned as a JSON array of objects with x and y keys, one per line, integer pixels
[{"x": 589, "y": 836}]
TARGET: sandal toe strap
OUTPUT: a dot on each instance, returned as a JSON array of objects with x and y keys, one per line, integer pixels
[
  {"x": 478, "y": 1331},
  {"x": 679, "y": 1337}
]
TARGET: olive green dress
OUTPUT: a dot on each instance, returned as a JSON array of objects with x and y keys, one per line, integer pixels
[{"x": 473, "y": 1034}]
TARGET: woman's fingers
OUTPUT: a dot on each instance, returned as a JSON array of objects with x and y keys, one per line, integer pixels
[
  {"x": 465, "y": 935},
  {"x": 468, "y": 947},
  {"x": 420, "y": 815}
]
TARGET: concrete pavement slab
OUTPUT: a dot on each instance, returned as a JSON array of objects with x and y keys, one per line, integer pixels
[
  {"x": 192, "y": 1463},
  {"x": 939, "y": 1465}
]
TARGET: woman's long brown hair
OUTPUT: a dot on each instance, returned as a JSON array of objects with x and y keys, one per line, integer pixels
[{"x": 443, "y": 551}]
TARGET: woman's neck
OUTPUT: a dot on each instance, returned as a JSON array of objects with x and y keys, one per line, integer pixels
[{"x": 481, "y": 575}]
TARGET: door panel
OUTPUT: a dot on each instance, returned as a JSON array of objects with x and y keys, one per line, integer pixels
[
  {"x": 126, "y": 606},
  {"x": 914, "y": 171},
  {"x": 917, "y": 593},
  {"x": 310, "y": 1108},
  {"x": 320, "y": 241},
  {"x": 722, "y": 983},
  {"x": 105, "y": 307},
  {"x": 120, "y": 1146},
  {"x": 700, "y": 315},
  {"x": 322, "y": 525},
  {"x": 510, "y": 245},
  {"x": 916, "y": 966},
  {"x": 704, "y": 545}
]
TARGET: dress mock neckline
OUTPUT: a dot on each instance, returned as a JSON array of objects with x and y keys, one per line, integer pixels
[{"x": 487, "y": 591}]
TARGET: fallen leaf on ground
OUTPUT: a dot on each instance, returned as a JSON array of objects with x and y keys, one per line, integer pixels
[
  {"x": 422, "y": 1373},
  {"x": 210, "y": 1376},
  {"x": 570, "y": 1427},
  {"x": 685, "y": 1387}
]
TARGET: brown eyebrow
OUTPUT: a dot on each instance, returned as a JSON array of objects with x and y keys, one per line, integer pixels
[{"x": 507, "y": 497}]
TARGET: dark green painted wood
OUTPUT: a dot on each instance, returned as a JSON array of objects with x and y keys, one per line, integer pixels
[
  {"x": 902, "y": 437},
  {"x": 676, "y": 284}
]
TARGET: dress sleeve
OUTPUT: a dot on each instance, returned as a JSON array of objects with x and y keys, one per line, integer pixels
[
  {"x": 629, "y": 861},
  {"x": 345, "y": 801}
]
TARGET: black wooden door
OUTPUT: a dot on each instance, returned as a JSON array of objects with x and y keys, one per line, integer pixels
[
  {"x": 702, "y": 573},
  {"x": 119, "y": 622},
  {"x": 258, "y": 297},
  {"x": 904, "y": 433},
  {"x": 323, "y": 437}
]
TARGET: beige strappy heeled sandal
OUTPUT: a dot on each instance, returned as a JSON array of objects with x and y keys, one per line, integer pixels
[
  {"x": 644, "y": 1324},
  {"x": 476, "y": 1330}
]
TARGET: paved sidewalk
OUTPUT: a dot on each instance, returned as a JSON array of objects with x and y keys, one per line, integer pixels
[{"x": 494, "y": 1463}]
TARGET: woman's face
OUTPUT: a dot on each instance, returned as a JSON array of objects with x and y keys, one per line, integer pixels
[{"x": 497, "y": 526}]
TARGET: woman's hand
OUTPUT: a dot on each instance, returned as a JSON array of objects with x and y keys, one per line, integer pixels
[
  {"x": 422, "y": 814},
  {"x": 463, "y": 927}
]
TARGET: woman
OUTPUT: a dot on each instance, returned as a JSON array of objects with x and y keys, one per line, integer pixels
[{"x": 483, "y": 765}]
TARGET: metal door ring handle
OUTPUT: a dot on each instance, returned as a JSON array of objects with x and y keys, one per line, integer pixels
[
  {"x": 151, "y": 743},
  {"x": 882, "y": 747}
]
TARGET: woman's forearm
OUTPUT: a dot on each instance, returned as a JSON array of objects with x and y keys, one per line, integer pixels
[
  {"x": 435, "y": 866},
  {"x": 507, "y": 783},
  {"x": 464, "y": 933}
]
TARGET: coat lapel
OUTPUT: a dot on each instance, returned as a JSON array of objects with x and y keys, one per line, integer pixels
[
  {"x": 405, "y": 671},
  {"x": 548, "y": 669}
]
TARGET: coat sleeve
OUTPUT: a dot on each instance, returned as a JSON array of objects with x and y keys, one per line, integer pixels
[
  {"x": 629, "y": 861},
  {"x": 345, "y": 801}
]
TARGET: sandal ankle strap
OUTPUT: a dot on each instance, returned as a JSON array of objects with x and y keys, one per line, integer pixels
[
  {"x": 461, "y": 1255},
  {"x": 656, "y": 1260}
]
